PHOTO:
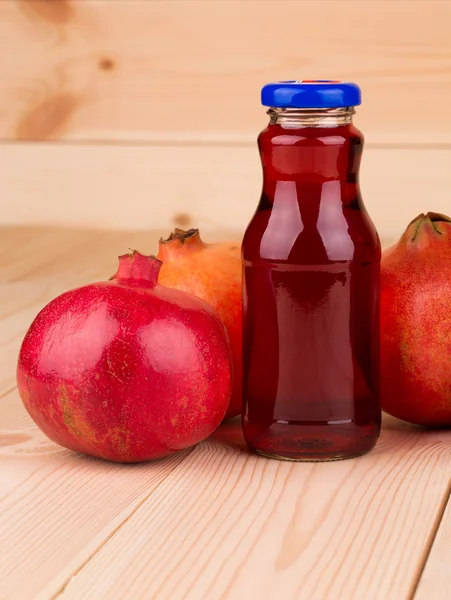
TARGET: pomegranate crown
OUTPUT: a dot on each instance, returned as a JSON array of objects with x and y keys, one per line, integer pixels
[
  {"x": 138, "y": 267},
  {"x": 430, "y": 224}
]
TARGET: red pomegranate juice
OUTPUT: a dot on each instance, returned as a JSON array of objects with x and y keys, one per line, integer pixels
[{"x": 311, "y": 286}]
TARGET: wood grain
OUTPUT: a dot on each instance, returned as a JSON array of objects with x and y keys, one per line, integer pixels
[
  {"x": 192, "y": 70},
  {"x": 217, "y": 522},
  {"x": 226, "y": 524},
  {"x": 57, "y": 507},
  {"x": 212, "y": 187},
  {"x": 60, "y": 257},
  {"x": 435, "y": 580}
]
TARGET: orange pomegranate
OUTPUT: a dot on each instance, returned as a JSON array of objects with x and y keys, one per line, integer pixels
[{"x": 213, "y": 273}]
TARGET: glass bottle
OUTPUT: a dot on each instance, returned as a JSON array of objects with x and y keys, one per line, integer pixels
[{"x": 311, "y": 283}]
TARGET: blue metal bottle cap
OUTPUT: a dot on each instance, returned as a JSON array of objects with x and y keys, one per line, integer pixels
[{"x": 319, "y": 93}]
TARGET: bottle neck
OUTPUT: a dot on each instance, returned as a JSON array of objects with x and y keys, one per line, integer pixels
[
  {"x": 297, "y": 118},
  {"x": 310, "y": 147}
]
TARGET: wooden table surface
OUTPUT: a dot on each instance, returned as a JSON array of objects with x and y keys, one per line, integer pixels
[{"x": 214, "y": 522}]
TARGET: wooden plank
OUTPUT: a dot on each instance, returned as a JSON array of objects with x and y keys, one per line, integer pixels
[
  {"x": 214, "y": 188},
  {"x": 435, "y": 580},
  {"x": 52, "y": 254},
  {"x": 217, "y": 523},
  {"x": 57, "y": 507},
  {"x": 178, "y": 69},
  {"x": 76, "y": 257},
  {"x": 227, "y": 524}
]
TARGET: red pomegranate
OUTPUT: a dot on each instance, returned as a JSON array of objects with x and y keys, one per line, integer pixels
[
  {"x": 416, "y": 323},
  {"x": 211, "y": 272},
  {"x": 126, "y": 370}
]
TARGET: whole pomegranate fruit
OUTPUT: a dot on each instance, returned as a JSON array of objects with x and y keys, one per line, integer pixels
[
  {"x": 416, "y": 323},
  {"x": 211, "y": 272},
  {"x": 126, "y": 370}
]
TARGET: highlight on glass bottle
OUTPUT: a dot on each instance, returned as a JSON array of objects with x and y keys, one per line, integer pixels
[{"x": 311, "y": 283}]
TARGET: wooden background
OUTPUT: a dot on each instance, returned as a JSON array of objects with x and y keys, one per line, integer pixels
[{"x": 144, "y": 113}]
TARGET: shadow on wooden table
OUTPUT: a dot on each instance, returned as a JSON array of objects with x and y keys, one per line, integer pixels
[{"x": 230, "y": 433}]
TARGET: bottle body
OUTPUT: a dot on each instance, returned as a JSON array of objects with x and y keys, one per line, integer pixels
[{"x": 311, "y": 299}]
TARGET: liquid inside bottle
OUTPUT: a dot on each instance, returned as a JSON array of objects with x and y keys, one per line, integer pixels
[{"x": 311, "y": 293}]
